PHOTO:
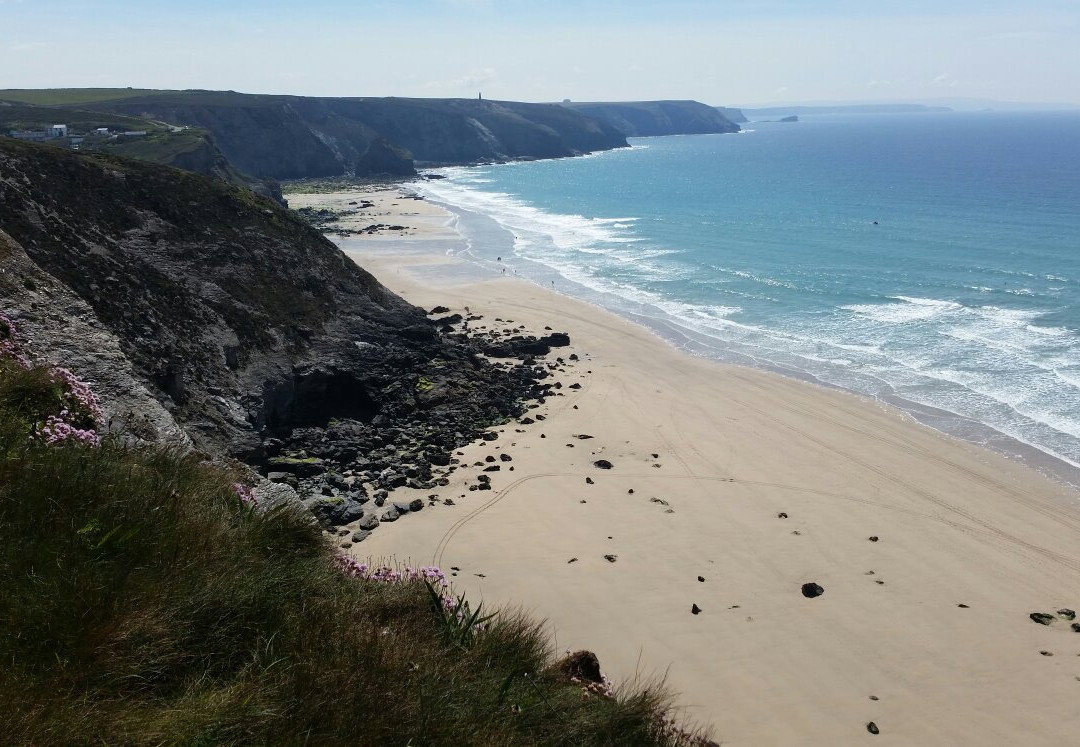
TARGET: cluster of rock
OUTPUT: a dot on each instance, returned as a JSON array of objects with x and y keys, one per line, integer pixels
[
  {"x": 1045, "y": 618},
  {"x": 346, "y": 471}
]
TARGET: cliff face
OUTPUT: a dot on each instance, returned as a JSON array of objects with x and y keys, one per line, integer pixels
[
  {"x": 650, "y": 118},
  {"x": 231, "y": 314},
  {"x": 290, "y": 137},
  {"x": 735, "y": 115}
]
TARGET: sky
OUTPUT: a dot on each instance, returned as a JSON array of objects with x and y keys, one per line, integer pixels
[{"x": 724, "y": 52}]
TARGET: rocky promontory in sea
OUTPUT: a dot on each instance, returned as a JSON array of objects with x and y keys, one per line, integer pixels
[{"x": 206, "y": 315}]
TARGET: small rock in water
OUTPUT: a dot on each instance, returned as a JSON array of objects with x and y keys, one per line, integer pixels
[
  {"x": 812, "y": 590},
  {"x": 611, "y": 558},
  {"x": 1067, "y": 614},
  {"x": 873, "y": 728},
  {"x": 695, "y": 610},
  {"x": 1041, "y": 617}
]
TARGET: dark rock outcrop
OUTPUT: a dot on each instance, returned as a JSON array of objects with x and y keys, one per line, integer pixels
[{"x": 191, "y": 302}]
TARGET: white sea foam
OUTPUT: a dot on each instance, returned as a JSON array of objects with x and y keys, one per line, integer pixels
[{"x": 991, "y": 363}]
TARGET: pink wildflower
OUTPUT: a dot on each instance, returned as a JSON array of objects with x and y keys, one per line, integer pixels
[{"x": 246, "y": 495}]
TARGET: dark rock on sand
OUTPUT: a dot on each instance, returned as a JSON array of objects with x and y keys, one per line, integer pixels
[
  {"x": 812, "y": 590},
  {"x": 582, "y": 665}
]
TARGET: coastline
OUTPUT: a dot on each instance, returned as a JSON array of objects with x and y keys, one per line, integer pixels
[
  {"x": 736, "y": 448},
  {"x": 953, "y": 424}
]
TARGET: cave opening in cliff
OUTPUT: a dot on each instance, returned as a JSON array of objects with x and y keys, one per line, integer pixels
[{"x": 319, "y": 397}]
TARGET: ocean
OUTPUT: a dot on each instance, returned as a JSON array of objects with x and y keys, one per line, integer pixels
[{"x": 930, "y": 261}]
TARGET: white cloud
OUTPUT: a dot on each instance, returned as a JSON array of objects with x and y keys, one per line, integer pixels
[{"x": 471, "y": 81}]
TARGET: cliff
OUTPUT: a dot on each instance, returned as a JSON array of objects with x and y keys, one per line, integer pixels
[
  {"x": 650, "y": 118},
  {"x": 292, "y": 137},
  {"x": 194, "y": 299}
]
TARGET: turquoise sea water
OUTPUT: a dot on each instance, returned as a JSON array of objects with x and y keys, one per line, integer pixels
[{"x": 961, "y": 303}]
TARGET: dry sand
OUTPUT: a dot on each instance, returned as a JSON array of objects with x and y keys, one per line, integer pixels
[{"x": 714, "y": 454}]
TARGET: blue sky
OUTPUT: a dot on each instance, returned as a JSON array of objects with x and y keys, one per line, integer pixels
[{"x": 733, "y": 52}]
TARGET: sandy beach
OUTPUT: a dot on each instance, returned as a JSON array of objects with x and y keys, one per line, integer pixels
[{"x": 730, "y": 489}]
